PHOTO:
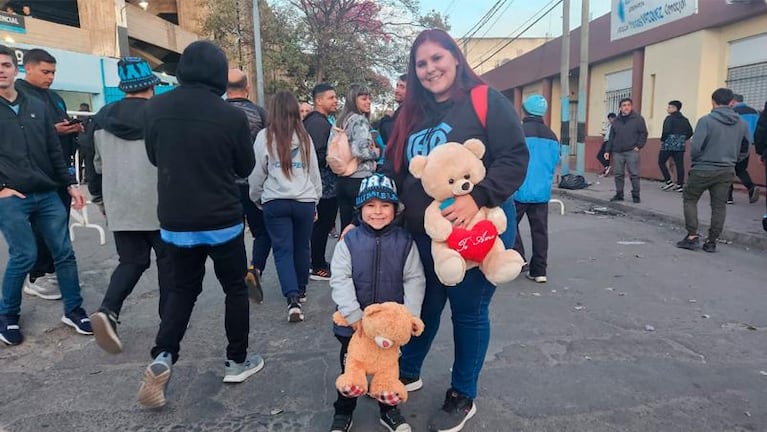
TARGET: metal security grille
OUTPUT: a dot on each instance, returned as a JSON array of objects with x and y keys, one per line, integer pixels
[
  {"x": 751, "y": 82},
  {"x": 613, "y": 99}
]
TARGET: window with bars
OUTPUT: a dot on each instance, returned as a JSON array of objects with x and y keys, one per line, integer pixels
[
  {"x": 749, "y": 81},
  {"x": 613, "y": 99}
]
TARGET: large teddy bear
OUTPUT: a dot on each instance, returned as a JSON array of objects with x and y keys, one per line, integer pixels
[
  {"x": 451, "y": 170},
  {"x": 374, "y": 350}
]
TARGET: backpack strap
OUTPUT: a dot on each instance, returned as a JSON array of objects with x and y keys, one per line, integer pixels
[{"x": 479, "y": 102}]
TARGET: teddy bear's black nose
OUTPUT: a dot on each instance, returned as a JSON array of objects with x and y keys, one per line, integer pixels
[{"x": 465, "y": 186}]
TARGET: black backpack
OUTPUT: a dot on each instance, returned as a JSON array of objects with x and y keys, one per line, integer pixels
[{"x": 572, "y": 181}]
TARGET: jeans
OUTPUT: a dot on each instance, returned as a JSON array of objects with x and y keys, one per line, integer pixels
[
  {"x": 44, "y": 264},
  {"x": 255, "y": 218},
  {"x": 346, "y": 193},
  {"x": 327, "y": 210},
  {"x": 230, "y": 265},
  {"x": 678, "y": 157},
  {"x": 717, "y": 183},
  {"x": 289, "y": 224},
  {"x": 134, "y": 249},
  {"x": 509, "y": 236},
  {"x": 469, "y": 304},
  {"x": 601, "y": 155},
  {"x": 17, "y": 216},
  {"x": 621, "y": 161},
  {"x": 538, "y": 217},
  {"x": 741, "y": 171},
  {"x": 343, "y": 404}
]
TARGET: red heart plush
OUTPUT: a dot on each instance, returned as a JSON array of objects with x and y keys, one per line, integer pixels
[{"x": 473, "y": 244}]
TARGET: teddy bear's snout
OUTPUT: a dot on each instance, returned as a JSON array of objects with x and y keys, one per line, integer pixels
[
  {"x": 466, "y": 186},
  {"x": 463, "y": 188},
  {"x": 384, "y": 343}
]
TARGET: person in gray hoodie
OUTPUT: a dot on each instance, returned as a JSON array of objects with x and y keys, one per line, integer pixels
[
  {"x": 628, "y": 134},
  {"x": 286, "y": 183},
  {"x": 129, "y": 187},
  {"x": 721, "y": 139}
]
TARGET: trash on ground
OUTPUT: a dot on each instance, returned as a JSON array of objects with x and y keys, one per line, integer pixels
[
  {"x": 610, "y": 289},
  {"x": 579, "y": 307},
  {"x": 705, "y": 316},
  {"x": 649, "y": 328},
  {"x": 276, "y": 411},
  {"x": 693, "y": 301},
  {"x": 764, "y": 373},
  {"x": 601, "y": 210},
  {"x": 535, "y": 294},
  {"x": 621, "y": 293},
  {"x": 631, "y": 242}
]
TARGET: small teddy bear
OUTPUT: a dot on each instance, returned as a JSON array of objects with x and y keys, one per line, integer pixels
[
  {"x": 374, "y": 350},
  {"x": 451, "y": 170}
]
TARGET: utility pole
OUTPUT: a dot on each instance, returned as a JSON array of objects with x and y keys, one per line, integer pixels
[
  {"x": 564, "y": 83},
  {"x": 258, "y": 58},
  {"x": 583, "y": 83}
]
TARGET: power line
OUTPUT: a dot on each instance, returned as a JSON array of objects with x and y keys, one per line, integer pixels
[
  {"x": 482, "y": 21},
  {"x": 500, "y": 15},
  {"x": 522, "y": 25},
  {"x": 558, "y": 2},
  {"x": 449, "y": 7}
]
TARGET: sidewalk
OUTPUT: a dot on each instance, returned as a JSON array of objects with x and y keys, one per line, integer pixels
[{"x": 743, "y": 225}]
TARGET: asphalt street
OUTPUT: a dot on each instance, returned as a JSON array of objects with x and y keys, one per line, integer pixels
[{"x": 630, "y": 334}]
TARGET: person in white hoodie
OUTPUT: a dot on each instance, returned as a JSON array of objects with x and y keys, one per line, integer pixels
[{"x": 286, "y": 183}]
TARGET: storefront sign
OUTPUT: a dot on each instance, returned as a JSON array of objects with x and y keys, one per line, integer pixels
[
  {"x": 631, "y": 17},
  {"x": 12, "y": 22}
]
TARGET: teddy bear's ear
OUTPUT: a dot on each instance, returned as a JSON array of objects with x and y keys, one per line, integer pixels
[
  {"x": 417, "y": 166},
  {"x": 373, "y": 308},
  {"x": 475, "y": 146},
  {"x": 418, "y": 326}
]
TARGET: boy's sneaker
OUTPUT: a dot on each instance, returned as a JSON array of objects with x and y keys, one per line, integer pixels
[
  {"x": 295, "y": 312},
  {"x": 255, "y": 290},
  {"x": 617, "y": 197},
  {"x": 46, "y": 287},
  {"x": 239, "y": 372},
  {"x": 412, "y": 384},
  {"x": 679, "y": 188},
  {"x": 320, "y": 274},
  {"x": 341, "y": 423},
  {"x": 689, "y": 243},
  {"x": 394, "y": 421},
  {"x": 753, "y": 195},
  {"x": 667, "y": 185},
  {"x": 78, "y": 320},
  {"x": 10, "y": 332},
  {"x": 454, "y": 414},
  {"x": 156, "y": 376},
  {"x": 709, "y": 246},
  {"x": 104, "y": 325},
  {"x": 302, "y": 297},
  {"x": 537, "y": 279}
]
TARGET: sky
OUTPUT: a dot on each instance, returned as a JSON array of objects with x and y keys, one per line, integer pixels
[{"x": 463, "y": 14}]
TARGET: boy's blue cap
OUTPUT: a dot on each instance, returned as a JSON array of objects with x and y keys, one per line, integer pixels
[
  {"x": 377, "y": 186},
  {"x": 535, "y": 105}
]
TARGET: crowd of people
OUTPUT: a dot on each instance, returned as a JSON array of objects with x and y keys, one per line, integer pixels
[{"x": 182, "y": 173}]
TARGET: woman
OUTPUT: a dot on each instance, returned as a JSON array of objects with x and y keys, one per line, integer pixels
[
  {"x": 437, "y": 109},
  {"x": 286, "y": 182},
  {"x": 355, "y": 120}
]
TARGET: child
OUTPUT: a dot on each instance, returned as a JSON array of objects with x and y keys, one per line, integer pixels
[{"x": 398, "y": 276}]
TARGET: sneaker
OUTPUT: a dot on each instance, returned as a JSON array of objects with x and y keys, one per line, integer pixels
[
  {"x": 753, "y": 195},
  {"x": 617, "y": 197},
  {"x": 10, "y": 332},
  {"x": 607, "y": 170},
  {"x": 667, "y": 185},
  {"x": 764, "y": 222},
  {"x": 709, "y": 246},
  {"x": 454, "y": 414},
  {"x": 104, "y": 325},
  {"x": 253, "y": 281},
  {"x": 320, "y": 274},
  {"x": 239, "y": 372},
  {"x": 78, "y": 320},
  {"x": 679, "y": 188},
  {"x": 394, "y": 421},
  {"x": 341, "y": 423},
  {"x": 635, "y": 199},
  {"x": 46, "y": 287},
  {"x": 689, "y": 243},
  {"x": 730, "y": 201},
  {"x": 295, "y": 312},
  {"x": 525, "y": 268},
  {"x": 537, "y": 279},
  {"x": 412, "y": 384},
  {"x": 302, "y": 297},
  {"x": 156, "y": 376}
]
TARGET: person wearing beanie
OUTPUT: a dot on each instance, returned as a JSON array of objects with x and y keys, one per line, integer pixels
[
  {"x": 532, "y": 198},
  {"x": 376, "y": 262},
  {"x": 129, "y": 189},
  {"x": 676, "y": 131},
  {"x": 199, "y": 144}
]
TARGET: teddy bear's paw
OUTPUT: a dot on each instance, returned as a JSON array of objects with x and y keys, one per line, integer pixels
[
  {"x": 389, "y": 398},
  {"x": 451, "y": 269},
  {"x": 502, "y": 267},
  {"x": 352, "y": 391}
]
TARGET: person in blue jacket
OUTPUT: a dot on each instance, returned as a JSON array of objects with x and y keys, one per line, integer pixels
[
  {"x": 532, "y": 198},
  {"x": 750, "y": 116}
]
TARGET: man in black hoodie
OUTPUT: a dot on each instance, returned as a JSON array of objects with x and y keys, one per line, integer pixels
[
  {"x": 318, "y": 124},
  {"x": 40, "y": 71},
  {"x": 628, "y": 135},
  {"x": 200, "y": 144},
  {"x": 676, "y": 131},
  {"x": 129, "y": 185}
]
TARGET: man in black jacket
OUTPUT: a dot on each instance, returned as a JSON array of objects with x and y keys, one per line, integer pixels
[
  {"x": 760, "y": 142},
  {"x": 200, "y": 144},
  {"x": 237, "y": 90},
  {"x": 40, "y": 71},
  {"x": 32, "y": 168},
  {"x": 318, "y": 124},
  {"x": 676, "y": 131},
  {"x": 628, "y": 135},
  {"x": 386, "y": 124}
]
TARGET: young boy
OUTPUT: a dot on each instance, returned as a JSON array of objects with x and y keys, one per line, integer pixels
[{"x": 398, "y": 276}]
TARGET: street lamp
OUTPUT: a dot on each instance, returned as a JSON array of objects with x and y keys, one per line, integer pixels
[{"x": 143, "y": 4}]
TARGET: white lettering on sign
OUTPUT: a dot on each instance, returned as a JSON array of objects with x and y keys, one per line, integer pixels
[{"x": 631, "y": 17}]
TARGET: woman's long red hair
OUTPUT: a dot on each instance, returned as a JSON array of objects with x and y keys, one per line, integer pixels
[{"x": 419, "y": 101}]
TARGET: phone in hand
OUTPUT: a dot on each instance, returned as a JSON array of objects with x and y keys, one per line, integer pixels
[{"x": 74, "y": 121}]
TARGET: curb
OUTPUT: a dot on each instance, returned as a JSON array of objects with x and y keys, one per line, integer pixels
[{"x": 754, "y": 241}]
